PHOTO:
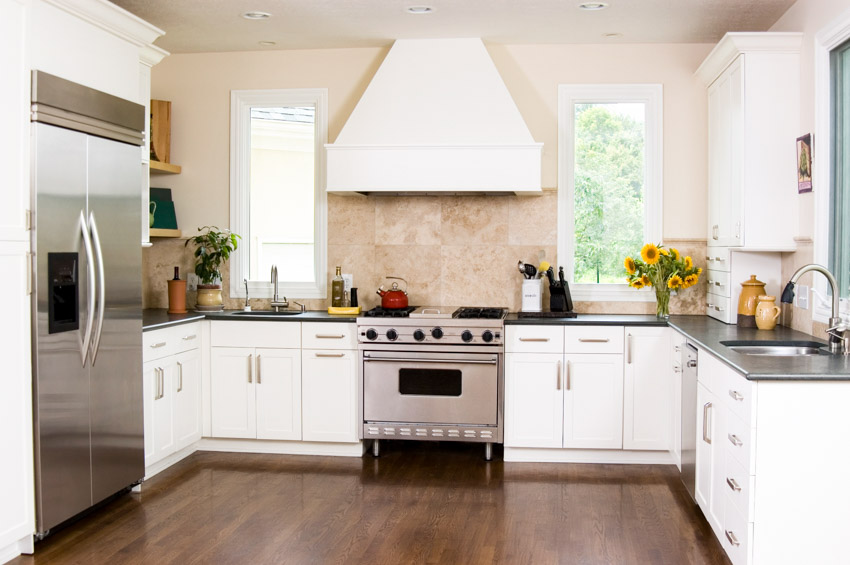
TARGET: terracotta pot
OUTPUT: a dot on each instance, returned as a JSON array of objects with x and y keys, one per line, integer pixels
[
  {"x": 767, "y": 312},
  {"x": 750, "y": 291}
]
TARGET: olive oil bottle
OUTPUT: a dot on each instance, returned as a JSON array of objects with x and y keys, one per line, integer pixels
[{"x": 337, "y": 289}]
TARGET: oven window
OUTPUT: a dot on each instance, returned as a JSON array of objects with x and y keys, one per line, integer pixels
[{"x": 430, "y": 382}]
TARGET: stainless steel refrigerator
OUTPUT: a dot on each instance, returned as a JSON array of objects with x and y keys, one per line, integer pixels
[{"x": 87, "y": 299}]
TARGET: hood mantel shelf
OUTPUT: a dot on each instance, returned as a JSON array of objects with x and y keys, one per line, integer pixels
[{"x": 436, "y": 118}]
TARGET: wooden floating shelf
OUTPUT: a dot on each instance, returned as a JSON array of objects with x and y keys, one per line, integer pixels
[
  {"x": 167, "y": 168},
  {"x": 160, "y": 232}
]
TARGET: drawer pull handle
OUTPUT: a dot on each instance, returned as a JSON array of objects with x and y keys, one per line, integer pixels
[
  {"x": 558, "y": 375},
  {"x": 706, "y": 407},
  {"x": 156, "y": 345},
  {"x": 330, "y": 336},
  {"x": 733, "y": 484},
  {"x": 179, "y": 376},
  {"x": 534, "y": 339},
  {"x": 732, "y": 538},
  {"x": 593, "y": 340},
  {"x": 736, "y": 441},
  {"x": 189, "y": 337},
  {"x": 250, "y": 367},
  {"x": 330, "y": 354},
  {"x": 258, "y": 365},
  {"x": 736, "y": 395}
]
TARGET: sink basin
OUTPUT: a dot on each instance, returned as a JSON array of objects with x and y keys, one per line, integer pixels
[
  {"x": 777, "y": 348},
  {"x": 269, "y": 313}
]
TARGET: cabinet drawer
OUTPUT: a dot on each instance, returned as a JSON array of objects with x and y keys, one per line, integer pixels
[
  {"x": 737, "y": 441},
  {"x": 187, "y": 337},
  {"x": 281, "y": 335},
  {"x": 718, "y": 258},
  {"x": 327, "y": 335},
  {"x": 157, "y": 344},
  {"x": 593, "y": 339},
  {"x": 534, "y": 339},
  {"x": 738, "y": 486},
  {"x": 717, "y": 307},
  {"x": 737, "y": 533},
  {"x": 738, "y": 394},
  {"x": 718, "y": 283}
]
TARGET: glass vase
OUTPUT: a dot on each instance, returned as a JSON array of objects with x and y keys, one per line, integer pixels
[{"x": 662, "y": 303}]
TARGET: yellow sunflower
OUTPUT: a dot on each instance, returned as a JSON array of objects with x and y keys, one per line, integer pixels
[
  {"x": 663, "y": 251},
  {"x": 675, "y": 253},
  {"x": 689, "y": 263},
  {"x": 629, "y": 263},
  {"x": 674, "y": 282},
  {"x": 645, "y": 280},
  {"x": 649, "y": 253},
  {"x": 637, "y": 283},
  {"x": 699, "y": 271},
  {"x": 691, "y": 280}
]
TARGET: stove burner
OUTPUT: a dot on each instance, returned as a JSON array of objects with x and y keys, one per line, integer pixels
[
  {"x": 491, "y": 313},
  {"x": 378, "y": 312}
]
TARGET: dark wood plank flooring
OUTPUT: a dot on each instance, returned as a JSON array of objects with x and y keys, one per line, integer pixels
[{"x": 417, "y": 503}]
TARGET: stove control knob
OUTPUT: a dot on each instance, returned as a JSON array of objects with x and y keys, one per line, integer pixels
[
  {"x": 371, "y": 335},
  {"x": 419, "y": 335},
  {"x": 392, "y": 335},
  {"x": 437, "y": 333},
  {"x": 487, "y": 336},
  {"x": 466, "y": 336}
]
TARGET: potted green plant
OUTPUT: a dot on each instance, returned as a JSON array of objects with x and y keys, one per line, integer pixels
[{"x": 212, "y": 248}]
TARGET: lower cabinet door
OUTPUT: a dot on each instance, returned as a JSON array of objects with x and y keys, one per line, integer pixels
[
  {"x": 329, "y": 395},
  {"x": 533, "y": 399},
  {"x": 278, "y": 393},
  {"x": 593, "y": 401},
  {"x": 705, "y": 454},
  {"x": 232, "y": 401},
  {"x": 187, "y": 398},
  {"x": 647, "y": 386},
  {"x": 158, "y": 409}
]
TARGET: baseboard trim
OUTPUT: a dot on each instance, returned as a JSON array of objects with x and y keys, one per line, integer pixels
[
  {"x": 356, "y": 449},
  {"x": 167, "y": 462},
  {"x": 608, "y": 456},
  {"x": 17, "y": 548}
]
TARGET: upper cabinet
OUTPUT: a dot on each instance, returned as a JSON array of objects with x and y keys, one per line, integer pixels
[{"x": 753, "y": 84}]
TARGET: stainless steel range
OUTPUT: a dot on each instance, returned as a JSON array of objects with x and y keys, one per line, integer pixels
[{"x": 433, "y": 375}]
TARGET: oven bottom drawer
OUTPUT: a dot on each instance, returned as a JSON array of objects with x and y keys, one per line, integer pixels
[{"x": 390, "y": 430}]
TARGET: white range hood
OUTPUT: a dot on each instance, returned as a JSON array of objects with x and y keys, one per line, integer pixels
[{"x": 436, "y": 118}]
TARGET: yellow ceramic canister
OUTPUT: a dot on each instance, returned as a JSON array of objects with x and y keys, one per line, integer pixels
[
  {"x": 767, "y": 312},
  {"x": 750, "y": 291}
]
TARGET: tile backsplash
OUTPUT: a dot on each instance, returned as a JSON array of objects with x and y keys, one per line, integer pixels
[{"x": 452, "y": 250}]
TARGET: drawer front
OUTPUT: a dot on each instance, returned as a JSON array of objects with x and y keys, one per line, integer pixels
[
  {"x": 186, "y": 337},
  {"x": 593, "y": 339},
  {"x": 738, "y": 441},
  {"x": 157, "y": 344},
  {"x": 326, "y": 335},
  {"x": 717, "y": 307},
  {"x": 738, "y": 485},
  {"x": 737, "y": 533},
  {"x": 738, "y": 394},
  {"x": 718, "y": 283},
  {"x": 534, "y": 339},
  {"x": 718, "y": 259},
  {"x": 285, "y": 335}
]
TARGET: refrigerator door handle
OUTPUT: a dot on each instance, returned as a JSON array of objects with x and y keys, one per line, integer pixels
[
  {"x": 101, "y": 287},
  {"x": 86, "y": 341}
]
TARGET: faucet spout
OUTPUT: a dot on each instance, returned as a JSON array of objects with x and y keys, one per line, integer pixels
[
  {"x": 835, "y": 343},
  {"x": 277, "y": 304}
]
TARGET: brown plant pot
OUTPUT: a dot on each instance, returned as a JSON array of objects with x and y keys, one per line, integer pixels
[{"x": 209, "y": 297}]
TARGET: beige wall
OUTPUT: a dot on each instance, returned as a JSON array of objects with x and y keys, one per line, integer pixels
[{"x": 199, "y": 85}]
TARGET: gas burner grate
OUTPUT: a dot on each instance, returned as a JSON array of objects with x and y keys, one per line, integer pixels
[
  {"x": 378, "y": 312},
  {"x": 488, "y": 313}
]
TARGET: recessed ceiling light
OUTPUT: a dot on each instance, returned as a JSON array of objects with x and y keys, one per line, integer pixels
[
  {"x": 254, "y": 15},
  {"x": 420, "y": 9},
  {"x": 267, "y": 43},
  {"x": 593, "y": 5}
]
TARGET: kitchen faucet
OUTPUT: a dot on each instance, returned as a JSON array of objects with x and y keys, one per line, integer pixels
[
  {"x": 838, "y": 331},
  {"x": 277, "y": 304}
]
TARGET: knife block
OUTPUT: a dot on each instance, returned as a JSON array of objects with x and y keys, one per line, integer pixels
[{"x": 560, "y": 299}]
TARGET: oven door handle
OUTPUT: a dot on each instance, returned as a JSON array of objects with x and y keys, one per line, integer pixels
[{"x": 456, "y": 361}]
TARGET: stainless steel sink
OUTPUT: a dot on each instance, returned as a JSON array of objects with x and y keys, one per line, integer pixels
[
  {"x": 270, "y": 313},
  {"x": 777, "y": 348}
]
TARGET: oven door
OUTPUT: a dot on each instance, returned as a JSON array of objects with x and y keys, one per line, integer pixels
[{"x": 431, "y": 387}]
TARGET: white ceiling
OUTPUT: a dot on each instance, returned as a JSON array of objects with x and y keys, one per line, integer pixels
[{"x": 194, "y": 26}]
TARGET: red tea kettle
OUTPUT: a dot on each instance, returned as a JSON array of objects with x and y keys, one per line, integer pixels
[{"x": 395, "y": 297}]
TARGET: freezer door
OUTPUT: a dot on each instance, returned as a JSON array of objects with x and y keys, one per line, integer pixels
[
  {"x": 117, "y": 428},
  {"x": 61, "y": 382}
]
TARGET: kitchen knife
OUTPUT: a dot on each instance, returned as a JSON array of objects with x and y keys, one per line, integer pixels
[
  {"x": 561, "y": 276},
  {"x": 550, "y": 274}
]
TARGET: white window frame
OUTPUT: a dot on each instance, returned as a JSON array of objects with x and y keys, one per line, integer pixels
[
  {"x": 241, "y": 102},
  {"x": 826, "y": 40},
  {"x": 568, "y": 96}
]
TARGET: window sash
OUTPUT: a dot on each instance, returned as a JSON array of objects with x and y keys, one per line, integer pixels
[{"x": 839, "y": 228}]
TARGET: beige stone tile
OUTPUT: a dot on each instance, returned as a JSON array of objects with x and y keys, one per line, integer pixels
[
  {"x": 158, "y": 262},
  {"x": 407, "y": 220},
  {"x": 478, "y": 220},
  {"x": 351, "y": 220},
  {"x": 419, "y": 265},
  {"x": 479, "y": 275},
  {"x": 533, "y": 220}
]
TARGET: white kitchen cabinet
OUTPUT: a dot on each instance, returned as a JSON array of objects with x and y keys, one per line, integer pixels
[
  {"x": 233, "y": 404},
  {"x": 647, "y": 389},
  {"x": 727, "y": 268},
  {"x": 277, "y": 390},
  {"x": 753, "y": 111},
  {"x": 593, "y": 401},
  {"x": 705, "y": 453},
  {"x": 534, "y": 401},
  {"x": 171, "y": 380}
]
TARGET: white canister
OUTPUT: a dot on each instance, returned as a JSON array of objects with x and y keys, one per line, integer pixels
[{"x": 532, "y": 295}]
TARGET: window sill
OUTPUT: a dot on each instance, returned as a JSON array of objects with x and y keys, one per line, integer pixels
[{"x": 610, "y": 293}]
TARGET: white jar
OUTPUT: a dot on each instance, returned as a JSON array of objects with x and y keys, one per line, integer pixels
[{"x": 532, "y": 295}]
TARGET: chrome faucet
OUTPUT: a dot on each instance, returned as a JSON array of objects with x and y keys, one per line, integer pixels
[
  {"x": 836, "y": 340},
  {"x": 277, "y": 304}
]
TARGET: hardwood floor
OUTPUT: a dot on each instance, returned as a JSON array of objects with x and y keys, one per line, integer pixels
[{"x": 417, "y": 503}]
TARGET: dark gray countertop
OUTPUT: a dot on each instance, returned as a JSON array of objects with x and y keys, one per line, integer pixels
[
  {"x": 588, "y": 320},
  {"x": 157, "y": 318},
  {"x": 707, "y": 333}
]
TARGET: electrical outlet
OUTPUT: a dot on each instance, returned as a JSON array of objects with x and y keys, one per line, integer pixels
[
  {"x": 348, "y": 281},
  {"x": 192, "y": 282},
  {"x": 803, "y": 297}
]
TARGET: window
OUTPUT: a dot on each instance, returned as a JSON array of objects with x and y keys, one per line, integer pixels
[
  {"x": 839, "y": 225},
  {"x": 277, "y": 198},
  {"x": 609, "y": 194}
]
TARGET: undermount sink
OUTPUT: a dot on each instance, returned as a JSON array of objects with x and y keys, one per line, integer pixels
[
  {"x": 777, "y": 348},
  {"x": 269, "y": 313}
]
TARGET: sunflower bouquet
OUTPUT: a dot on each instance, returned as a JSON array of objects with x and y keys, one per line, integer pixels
[{"x": 664, "y": 270}]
